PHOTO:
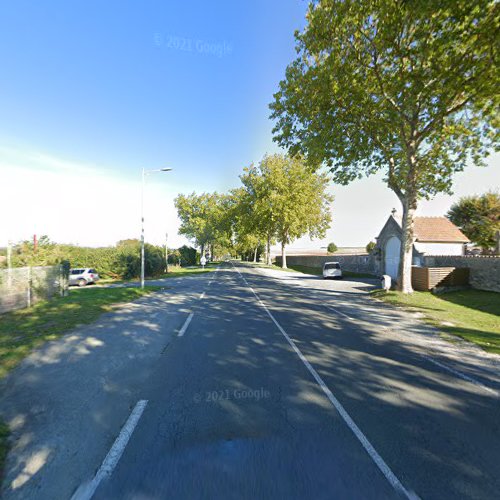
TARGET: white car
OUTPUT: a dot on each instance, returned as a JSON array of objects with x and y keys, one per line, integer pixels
[
  {"x": 332, "y": 270},
  {"x": 82, "y": 276}
]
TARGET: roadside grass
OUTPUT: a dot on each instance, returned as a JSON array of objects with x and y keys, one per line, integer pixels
[
  {"x": 265, "y": 266},
  {"x": 473, "y": 315},
  {"x": 24, "y": 330},
  {"x": 174, "y": 272},
  {"x": 317, "y": 271}
]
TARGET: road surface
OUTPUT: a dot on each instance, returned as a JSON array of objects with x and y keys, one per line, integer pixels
[{"x": 247, "y": 383}]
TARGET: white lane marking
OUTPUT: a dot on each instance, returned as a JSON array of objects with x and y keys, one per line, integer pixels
[
  {"x": 185, "y": 325},
  {"x": 341, "y": 313},
  {"x": 462, "y": 375},
  {"x": 202, "y": 295},
  {"x": 379, "y": 461},
  {"x": 86, "y": 491}
]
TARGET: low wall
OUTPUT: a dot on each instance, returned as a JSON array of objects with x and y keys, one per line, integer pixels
[
  {"x": 484, "y": 270},
  {"x": 355, "y": 263}
]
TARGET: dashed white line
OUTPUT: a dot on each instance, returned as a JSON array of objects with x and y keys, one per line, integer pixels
[
  {"x": 185, "y": 325},
  {"x": 461, "y": 375},
  {"x": 378, "y": 460},
  {"x": 86, "y": 491}
]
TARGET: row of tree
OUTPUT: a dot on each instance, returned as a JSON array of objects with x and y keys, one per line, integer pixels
[
  {"x": 406, "y": 88},
  {"x": 280, "y": 199}
]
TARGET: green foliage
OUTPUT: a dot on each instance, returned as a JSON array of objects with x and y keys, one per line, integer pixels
[
  {"x": 285, "y": 199},
  {"x": 332, "y": 247},
  {"x": 371, "y": 246},
  {"x": 478, "y": 217},
  {"x": 188, "y": 255},
  {"x": 120, "y": 262},
  {"x": 204, "y": 219},
  {"x": 406, "y": 88}
]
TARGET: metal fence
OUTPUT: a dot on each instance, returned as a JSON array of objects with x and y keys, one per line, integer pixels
[{"x": 22, "y": 287}]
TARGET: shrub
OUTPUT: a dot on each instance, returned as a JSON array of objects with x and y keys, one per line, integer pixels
[{"x": 332, "y": 248}]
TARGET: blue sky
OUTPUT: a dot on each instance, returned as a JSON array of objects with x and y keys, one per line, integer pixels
[
  {"x": 91, "y": 92},
  {"x": 115, "y": 84}
]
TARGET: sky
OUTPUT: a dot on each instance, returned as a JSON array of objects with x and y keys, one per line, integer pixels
[{"x": 93, "y": 92}]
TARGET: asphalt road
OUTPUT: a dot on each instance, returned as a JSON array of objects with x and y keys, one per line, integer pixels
[{"x": 247, "y": 384}]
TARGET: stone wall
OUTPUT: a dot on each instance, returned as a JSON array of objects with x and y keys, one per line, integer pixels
[
  {"x": 484, "y": 270},
  {"x": 363, "y": 263}
]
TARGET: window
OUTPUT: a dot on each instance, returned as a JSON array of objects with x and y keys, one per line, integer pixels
[{"x": 335, "y": 265}]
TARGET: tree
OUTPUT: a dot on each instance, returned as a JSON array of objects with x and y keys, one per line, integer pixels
[
  {"x": 332, "y": 247},
  {"x": 203, "y": 219},
  {"x": 406, "y": 88},
  {"x": 370, "y": 247},
  {"x": 256, "y": 212},
  {"x": 290, "y": 199},
  {"x": 478, "y": 217}
]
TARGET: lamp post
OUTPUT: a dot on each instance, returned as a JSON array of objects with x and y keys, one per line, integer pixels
[{"x": 144, "y": 173}]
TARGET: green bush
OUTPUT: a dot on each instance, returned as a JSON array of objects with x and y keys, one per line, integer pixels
[
  {"x": 332, "y": 248},
  {"x": 122, "y": 261}
]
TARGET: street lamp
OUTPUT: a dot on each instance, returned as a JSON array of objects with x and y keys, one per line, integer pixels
[{"x": 144, "y": 173}]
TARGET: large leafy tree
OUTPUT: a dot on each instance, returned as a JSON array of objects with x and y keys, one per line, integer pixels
[
  {"x": 289, "y": 199},
  {"x": 203, "y": 219},
  {"x": 404, "y": 87},
  {"x": 257, "y": 215},
  {"x": 479, "y": 218}
]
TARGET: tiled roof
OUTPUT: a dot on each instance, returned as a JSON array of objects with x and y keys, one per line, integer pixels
[{"x": 438, "y": 229}]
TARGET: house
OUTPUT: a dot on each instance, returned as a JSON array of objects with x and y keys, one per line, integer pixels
[{"x": 432, "y": 236}]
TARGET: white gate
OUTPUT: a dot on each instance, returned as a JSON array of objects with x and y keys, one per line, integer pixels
[{"x": 392, "y": 249}]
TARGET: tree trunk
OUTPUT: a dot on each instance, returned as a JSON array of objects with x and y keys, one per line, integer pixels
[
  {"x": 268, "y": 256},
  {"x": 255, "y": 254},
  {"x": 283, "y": 255},
  {"x": 406, "y": 252},
  {"x": 202, "y": 252}
]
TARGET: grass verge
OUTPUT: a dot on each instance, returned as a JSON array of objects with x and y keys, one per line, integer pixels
[
  {"x": 473, "y": 315},
  {"x": 174, "y": 272},
  {"x": 23, "y": 330}
]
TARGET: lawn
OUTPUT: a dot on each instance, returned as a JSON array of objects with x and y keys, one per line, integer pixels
[
  {"x": 174, "y": 272},
  {"x": 473, "y": 315},
  {"x": 23, "y": 330}
]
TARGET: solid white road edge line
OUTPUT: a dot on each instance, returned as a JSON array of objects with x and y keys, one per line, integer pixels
[
  {"x": 462, "y": 376},
  {"x": 459, "y": 374},
  {"x": 379, "y": 461},
  {"x": 86, "y": 491},
  {"x": 185, "y": 325},
  {"x": 341, "y": 313}
]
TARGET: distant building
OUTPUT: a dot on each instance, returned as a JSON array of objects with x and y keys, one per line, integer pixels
[{"x": 432, "y": 236}]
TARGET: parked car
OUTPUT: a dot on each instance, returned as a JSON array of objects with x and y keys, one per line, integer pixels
[
  {"x": 332, "y": 270},
  {"x": 83, "y": 276}
]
